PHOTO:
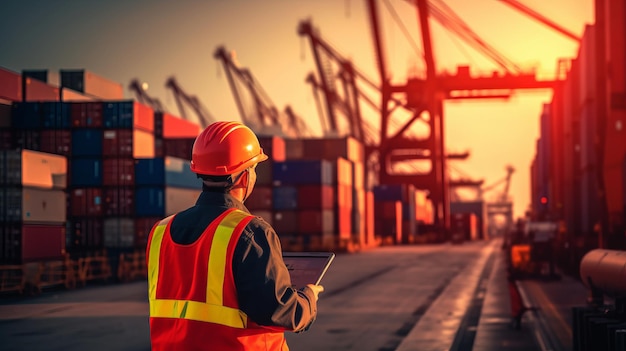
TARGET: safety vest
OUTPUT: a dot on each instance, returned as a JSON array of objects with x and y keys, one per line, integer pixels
[{"x": 192, "y": 294}]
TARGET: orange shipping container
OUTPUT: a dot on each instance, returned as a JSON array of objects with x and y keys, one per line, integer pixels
[
  {"x": 39, "y": 91},
  {"x": 370, "y": 236},
  {"x": 274, "y": 147}
]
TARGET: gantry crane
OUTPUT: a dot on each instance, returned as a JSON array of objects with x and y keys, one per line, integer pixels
[
  {"x": 203, "y": 115},
  {"x": 142, "y": 96},
  {"x": 263, "y": 117},
  {"x": 500, "y": 206},
  {"x": 426, "y": 96}
]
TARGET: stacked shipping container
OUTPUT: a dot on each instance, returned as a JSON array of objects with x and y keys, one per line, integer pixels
[
  {"x": 578, "y": 174},
  {"x": 32, "y": 206}
]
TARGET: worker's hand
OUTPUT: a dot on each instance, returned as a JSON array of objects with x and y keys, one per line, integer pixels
[{"x": 317, "y": 289}]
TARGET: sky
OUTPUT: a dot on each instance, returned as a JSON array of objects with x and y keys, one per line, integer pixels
[{"x": 151, "y": 40}]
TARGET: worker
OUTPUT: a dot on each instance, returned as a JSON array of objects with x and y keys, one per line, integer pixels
[{"x": 216, "y": 276}]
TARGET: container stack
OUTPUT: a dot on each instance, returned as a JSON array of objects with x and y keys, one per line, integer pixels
[
  {"x": 386, "y": 198},
  {"x": 32, "y": 206}
]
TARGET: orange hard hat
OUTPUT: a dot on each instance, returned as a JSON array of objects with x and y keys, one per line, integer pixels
[{"x": 225, "y": 148}]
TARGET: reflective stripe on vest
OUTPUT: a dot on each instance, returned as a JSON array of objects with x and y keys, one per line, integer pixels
[{"x": 212, "y": 310}]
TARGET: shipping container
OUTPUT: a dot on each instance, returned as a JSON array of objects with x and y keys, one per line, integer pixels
[
  {"x": 32, "y": 205},
  {"x": 86, "y": 114},
  {"x": 86, "y": 202},
  {"x": 285, "y": 198},
  {"x": 11, "y": 243},
  {"x": 296, "y": 172},
  {"x": 172, "y": 127},
  {"x": 33, "y": 169},
  {"x": 315, "y": 197},
  {"x": 10, "y": 85},
  {"x": 35, "y": 90},
  {"x": 87, "y": 142},
  {"x": 26, "y": 115},
  {"x": 128, "y": 114},
  {"x": 388, "y": 221},
  {"x": 118, "y": 172},
  {"x": 43, "y": 242},
  {"x": 119, "y": 232},
  {"x": 84, "y": 236},
  {"x": 127, "y": 143},
  {"x": 92, "y": 84},
  {"x": 55, "y": 115},
  {"x": 85, "y": 172},
  {"x": 332, "y": 148},
  {"x": 168, "y": 171},
  {"x": 119, "y": 201},
  {"x": 56, "y": 141},
  {"x": 25, "y": 139},
  {"x": 178, "y": 147},
  {"x": 315, "y": 222}
]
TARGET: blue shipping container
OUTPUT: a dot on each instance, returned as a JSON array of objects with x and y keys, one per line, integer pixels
[
  {"x": 55, "y": 115},
  {"x": 318, "y": 172},
  {"x": 285, "y": 198},
  {"x": 86, "y": 172},
  {"x": 87, "y": 142},
  {"x": 168, "y": 171},
  {"x": 150, "y": 201},
  {"x": 390, "y": 192},
  {"x": 119, "y": 114},
  {"x": 26, "y": 115}
]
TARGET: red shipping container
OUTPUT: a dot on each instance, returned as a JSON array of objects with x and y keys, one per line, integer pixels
[
  {"x": 43, "y": 242},
  {"x": 369, "y": 220},
  {"x": 143, "y": 226},
  {"x": 388, "y": 209},
  {"x": 117, "y": 142},
  {"x": 56, "y": 141},
  {"x": 274, "y": 147},
  {"x": 260, "y": 198},
  {"x": 315, "y": 222},
  {"x": 179, "y": 147},
  {"x": 86, "y": 202},
  {"x": 10, "y": 85},
  {"x": 285, "y": 222},
  {"x": 172, "y": 127},
  {"x": 312, "y": 197},
  {"x": 119, "y": 201},
  {"x": 118, "y": 171},
  {"x": 86, "y": 114},
  {"x": 40, "y": 91}
]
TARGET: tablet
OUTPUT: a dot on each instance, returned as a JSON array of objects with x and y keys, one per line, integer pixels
[{"x": 307, "y": 267}]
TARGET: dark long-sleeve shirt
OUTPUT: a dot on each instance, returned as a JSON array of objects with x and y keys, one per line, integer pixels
[{"x": 262, "y": 280}]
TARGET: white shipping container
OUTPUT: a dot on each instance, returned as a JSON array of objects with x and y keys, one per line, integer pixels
[
  {"x": 179, "y": 199},
  {"x": 119, "y": 232},
  {"x": 33, "y": 205}
]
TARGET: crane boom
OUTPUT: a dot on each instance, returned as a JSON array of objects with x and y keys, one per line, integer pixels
[
  {"x": 204, "y": 116},
  {"x": 539, "y": 17},
  {"x": 143, "y": 97}
]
